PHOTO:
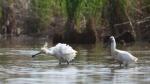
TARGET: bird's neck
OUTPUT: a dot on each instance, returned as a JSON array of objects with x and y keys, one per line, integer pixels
[
  {"x": 48, "y": 51},
  {"x": 113, "y": 45}
]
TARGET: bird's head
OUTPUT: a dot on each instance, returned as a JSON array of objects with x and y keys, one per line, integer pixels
[
  {"x": 112, "y": 39},
  {"x": 44, "y": 49}
]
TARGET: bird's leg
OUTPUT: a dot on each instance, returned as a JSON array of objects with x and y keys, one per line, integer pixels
[
  {"x": 59, "y": 61},
  {"x": 68, "y": 62},
  {"x": 120, "y": 64},
  {"x": 126, "y": 65}
]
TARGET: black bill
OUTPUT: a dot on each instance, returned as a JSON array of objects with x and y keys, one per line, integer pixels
[{"x": 36, "y": 54}]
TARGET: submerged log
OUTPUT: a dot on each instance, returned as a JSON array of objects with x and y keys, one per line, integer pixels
[
  {"x": 86, "y": 37},
  {"x": 126, "y": 38},
  {"x": 89, "y": 34},
  {"x": 71, "y": 35},
  {"x": 57, "y": 38}
]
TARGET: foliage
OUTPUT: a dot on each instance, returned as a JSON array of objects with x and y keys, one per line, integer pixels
[
  {"x": 82, "y": 10},
  {"x": 0, "y": 9},
  {"x": 93, "y": 9},
  {"x": 77, "y": 13},
  {"x": 40, "y": 12}
]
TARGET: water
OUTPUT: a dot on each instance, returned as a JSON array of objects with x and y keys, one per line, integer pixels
[{"x": 93, "y": 65}]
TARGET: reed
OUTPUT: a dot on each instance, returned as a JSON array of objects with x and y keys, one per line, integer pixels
[{"x": 78, "y": 14}]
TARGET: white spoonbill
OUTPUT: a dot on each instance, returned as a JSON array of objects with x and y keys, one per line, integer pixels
[
  {"x": 63, "y": 52},
  {"x": 122, "y": 57}
]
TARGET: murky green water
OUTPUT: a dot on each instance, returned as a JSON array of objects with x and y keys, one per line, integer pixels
[{"x": 91, "y": 66}]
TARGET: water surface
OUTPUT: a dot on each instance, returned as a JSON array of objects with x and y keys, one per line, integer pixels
[{"x": 93, "y": 65}]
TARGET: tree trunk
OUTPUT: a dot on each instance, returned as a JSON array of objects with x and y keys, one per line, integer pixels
[
  {"x": 8, "y": 20},
  {"x": 70, "y": 32}
]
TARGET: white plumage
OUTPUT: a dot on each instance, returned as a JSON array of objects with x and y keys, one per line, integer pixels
[
  {"x": 122, "y": 57},
  {"x": 63, "y": 52}
]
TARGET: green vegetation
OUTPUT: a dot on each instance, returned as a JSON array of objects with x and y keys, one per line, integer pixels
[
  {"x": 76, "y": 17},
  {"x": 39, "y": 15}
]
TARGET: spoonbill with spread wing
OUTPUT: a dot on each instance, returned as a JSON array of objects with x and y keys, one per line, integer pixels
[{"x": 63, "y": 52}]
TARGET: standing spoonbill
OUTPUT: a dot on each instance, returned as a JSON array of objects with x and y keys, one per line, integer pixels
[
  {"x": 122, "y": 57},
  {"x": 63, "y": 52}
]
